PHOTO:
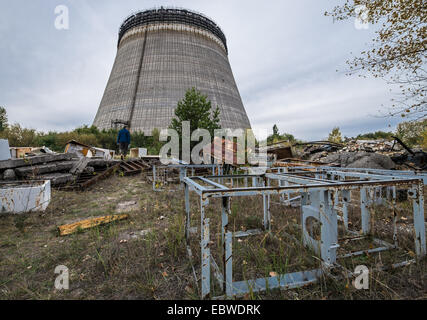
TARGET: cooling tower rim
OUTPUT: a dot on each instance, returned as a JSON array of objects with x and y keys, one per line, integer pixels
[{"x": 171, "y": 15}]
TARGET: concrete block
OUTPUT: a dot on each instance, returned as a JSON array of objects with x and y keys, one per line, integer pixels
[
  {"x": 21, "y": 197},
  {"x": 31, "y": 161},
  {"x": 9, "y": 174}
]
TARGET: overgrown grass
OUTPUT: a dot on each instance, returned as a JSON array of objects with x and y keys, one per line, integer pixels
[{"x": 115, "y": 262}]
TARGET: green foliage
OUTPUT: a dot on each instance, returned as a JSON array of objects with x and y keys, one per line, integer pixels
[
  {"x": 376, "y": 135},
  {"x": 412, "y": 133},
  {"x": 275, "y": 130},
  {"x": 424, "y": 140},
  {"x": 277, "y": 137},
  {"x": 3, "y": 119},
  {"x": 196, "y": 108},
  {"x": 335, "y": 135},
  {"x": 19, "y": 137},
  {"x": 152, "y": 143},
  {"x": 56, "y": 141}
]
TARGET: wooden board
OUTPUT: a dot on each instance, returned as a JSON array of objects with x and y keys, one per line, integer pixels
[{"x": 89, "y": 223}]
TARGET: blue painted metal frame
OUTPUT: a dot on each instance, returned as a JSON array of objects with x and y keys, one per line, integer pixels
[
  {"x": 320, "y": 199},
  {"x": 184, "y": 169}
]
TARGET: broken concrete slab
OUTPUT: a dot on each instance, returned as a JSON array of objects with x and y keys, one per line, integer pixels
[
  {"x": 101, "y": 163},
  {"x": 57, "y": 178},
  {"x": 44, "y": 168},
  {"x": 79, "y": 166},
  {"x": 24, "y": 196},
  {"x": 89, "y": 170},
  {"x": 31, "y": 161},
  {"x": 9, "y": 175}
]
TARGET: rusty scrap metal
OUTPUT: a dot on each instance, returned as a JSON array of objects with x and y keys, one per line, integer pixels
[
  {"x": 85, "y": 179},
  {"x": 134, "y": 167}
]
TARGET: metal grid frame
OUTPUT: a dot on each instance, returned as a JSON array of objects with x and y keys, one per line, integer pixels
[
  {"x": 163, "y": 173},
  {"x": 321, "y": 197}
]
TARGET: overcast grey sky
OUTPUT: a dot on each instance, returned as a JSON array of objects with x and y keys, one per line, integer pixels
[{"x": 284, "y": 55}]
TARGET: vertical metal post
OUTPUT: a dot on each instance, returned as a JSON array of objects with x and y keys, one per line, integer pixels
[
  {"x": 392, "y": 195},
  {"x": 187, "y": 210},
  {"x": 228, "y": 270},
  {"x": 304, "y": 202},
  {"x": 364, "y": 207},
  {"x": 346, "y": 197},
  {"x": 225, "y": 213},
  {"x": 266, "y": 206},
  {"x": 154, "y": 177},
  {"x": 417, "y": 195},
  {"x": 205, "y": 250},
  {"x": 206, "y": 263},
  {"x": 328, "y": 229}
]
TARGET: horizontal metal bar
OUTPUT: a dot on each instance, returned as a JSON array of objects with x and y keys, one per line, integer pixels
[
  {"x": 306, "y": 188},
  {"x": 247, "y": 233},
  {"x": 285, "y": 281},
  {"x": 212, "y": 183},
  {"x": 359, "y": 253},
  {"x": 297, "y": 179}
]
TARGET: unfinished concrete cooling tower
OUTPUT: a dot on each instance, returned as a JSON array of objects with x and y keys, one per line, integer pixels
[{"x": 161, "y": 54}]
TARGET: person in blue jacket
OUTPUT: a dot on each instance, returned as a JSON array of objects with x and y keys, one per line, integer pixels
[{"x": 123, "y": 140}]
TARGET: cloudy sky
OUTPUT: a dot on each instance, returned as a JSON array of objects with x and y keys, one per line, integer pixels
[{"x": 284, "y": 54}]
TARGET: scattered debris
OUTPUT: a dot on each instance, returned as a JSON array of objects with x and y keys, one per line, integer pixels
[
  {"x": 138, "y": 153},
  {"x": 85, "y": 179},
  {"x": 127, "y": 206},
  {"x": 134, "y": 235},
  {"x": 104, "y": 153},
  {"x": 373, "y": 154},
  {"x": 89, "y": 223},
  {"x": 414, "y": 159},
  {"x": 19, "y": 152},
  {"x": 367, "y": 160},
  {"x": 368, "y": 146},
  {"x": 79, "y": 166},
  {"x": 41, "y": 150},
  {"x": 81, "y": 149},
  {"x": 318, "y": 147},
  {"x": 280, "y": 150},
  {"x": 9, "y": 174},
  {"x": 134, "y": 167}
]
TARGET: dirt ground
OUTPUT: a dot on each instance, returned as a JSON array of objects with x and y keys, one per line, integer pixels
[{"x": 145, "y": 256}]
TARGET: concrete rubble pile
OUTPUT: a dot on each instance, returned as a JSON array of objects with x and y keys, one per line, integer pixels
[
  {"x": 59, "y": 168},
  {"x": 373, "y": 154}
]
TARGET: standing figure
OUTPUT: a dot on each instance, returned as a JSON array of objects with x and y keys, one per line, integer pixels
[{"x": 123, "y": 140}]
